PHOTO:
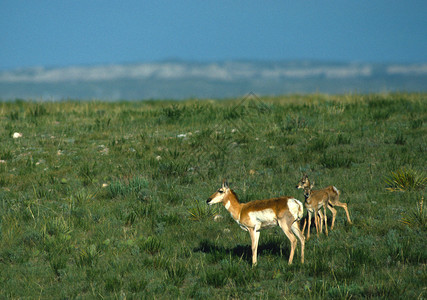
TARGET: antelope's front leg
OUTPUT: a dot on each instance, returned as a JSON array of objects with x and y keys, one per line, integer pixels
[
  {"x": 254, "y": 238},
  {"x": 325, "y": 219},
  {"x": 316, "y": 222},
  {"x": 309, "y": 224}
]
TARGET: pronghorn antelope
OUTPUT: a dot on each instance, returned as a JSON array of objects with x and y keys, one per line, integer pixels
[
  {"x": 315, "y": 199},
  {"x": 313, "y": 206},
  {"x": 259, "y": 214}
]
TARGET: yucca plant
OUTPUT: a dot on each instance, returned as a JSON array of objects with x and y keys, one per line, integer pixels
[
  {"x": 200, "y": 212},
  {"x": 416, "y": 217},
  {"x": 405, "y": 180}
]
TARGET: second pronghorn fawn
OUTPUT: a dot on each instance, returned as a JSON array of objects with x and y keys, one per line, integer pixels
[
  {"x": 315, "y": 199},
  {"x": 259, "y": 214},
  {"x": 313, "y": 206}
]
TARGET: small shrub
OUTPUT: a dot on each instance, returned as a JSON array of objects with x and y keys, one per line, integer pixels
[{"x": 405, "y": 180}]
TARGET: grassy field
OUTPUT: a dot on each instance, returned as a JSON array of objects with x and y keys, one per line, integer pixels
[{"x": 108, "y": 200}]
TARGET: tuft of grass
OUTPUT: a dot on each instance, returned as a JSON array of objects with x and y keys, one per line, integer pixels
[
  {"x": 343, "y": 139},
  {"x": 88, "y": 257},
  {"x": 320, "y": 144},
  {"x": 417, "y": 217},
  {"x": 37, "y": 110},
  {"x": 176, "y": 273},
  {"x": 332, "y": 161},
  {"x": 135, "y": 186},
  {"x": 400, "y": 139},
  {"x": 151, "y": 245},
  {"x": 405, "y": 180}
]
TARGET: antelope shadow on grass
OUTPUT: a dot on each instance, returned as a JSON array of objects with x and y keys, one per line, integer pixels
[{"x": 217, "y": 253}]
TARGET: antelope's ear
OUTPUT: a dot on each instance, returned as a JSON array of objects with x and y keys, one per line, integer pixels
[
  {"x": 225, "y": 183},
  {"x": 312, "y": 185}
]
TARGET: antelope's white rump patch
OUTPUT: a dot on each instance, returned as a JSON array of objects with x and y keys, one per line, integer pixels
[{"x": 295, "y": 208}]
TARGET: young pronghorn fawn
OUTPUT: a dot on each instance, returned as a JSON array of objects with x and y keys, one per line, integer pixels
[
  {"x": 326, "y": 197},
  {"x": 259, "y": 214},
  {"x": 313, "y": 206}
]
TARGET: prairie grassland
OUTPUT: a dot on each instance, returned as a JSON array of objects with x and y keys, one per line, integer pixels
[{"x": 108, "y": 200}]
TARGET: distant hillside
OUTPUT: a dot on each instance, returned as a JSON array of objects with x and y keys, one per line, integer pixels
[{"x": 178, "y": 80}]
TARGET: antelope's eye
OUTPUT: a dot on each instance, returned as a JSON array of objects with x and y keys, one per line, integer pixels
[{"x": 220, "y": 191}]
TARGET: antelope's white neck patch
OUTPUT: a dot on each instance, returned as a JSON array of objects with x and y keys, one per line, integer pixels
[{"x": 227, "y": 205}]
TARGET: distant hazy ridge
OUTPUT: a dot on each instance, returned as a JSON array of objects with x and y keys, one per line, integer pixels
[{"x": 178, "y": 80}]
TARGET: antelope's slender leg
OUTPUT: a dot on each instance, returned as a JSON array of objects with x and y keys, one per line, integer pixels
[
  {"x": 308, "y": 225},
  {"x": 254, "y": 238},
  {"x": 326, "y": 219},
  {"x": 334, "y": 214},
  {"x": 300, "y": 235},
  {"x": 283, "y": 224},
  {"x": 305, "y": 223},
  {"x": 316, "y": 222}
]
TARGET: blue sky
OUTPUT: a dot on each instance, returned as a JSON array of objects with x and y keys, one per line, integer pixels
[{"x": 76, "y": 32}]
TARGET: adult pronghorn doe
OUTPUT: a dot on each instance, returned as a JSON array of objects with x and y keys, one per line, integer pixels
[
  {"x": 259, "y": 214},
  {"x": 315, "y": 199}
]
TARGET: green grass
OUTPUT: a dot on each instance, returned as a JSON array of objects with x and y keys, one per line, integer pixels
[{"x": 108, "y": 200}]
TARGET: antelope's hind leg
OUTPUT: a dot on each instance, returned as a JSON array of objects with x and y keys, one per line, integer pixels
[
  {"x": 286, "y": 227},
  {"x": 344, "y": 205},
  {"x": 334, "y": 214},
  {"x": 300, "y": 235}
]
